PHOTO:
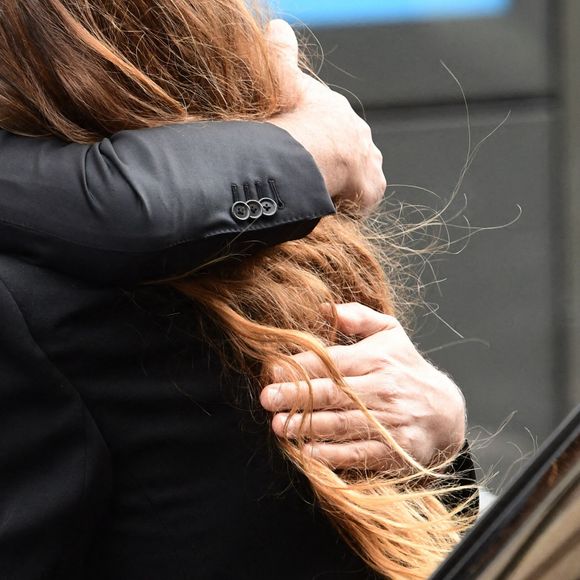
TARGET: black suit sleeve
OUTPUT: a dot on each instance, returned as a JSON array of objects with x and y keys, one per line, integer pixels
[
  {"x": 463, "y": 470},
  {"x": 54, "y": 465},
  {"x": 152, "y": 203}
]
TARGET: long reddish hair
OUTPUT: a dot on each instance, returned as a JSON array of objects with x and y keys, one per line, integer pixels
[{"x": 84, "y": 69}]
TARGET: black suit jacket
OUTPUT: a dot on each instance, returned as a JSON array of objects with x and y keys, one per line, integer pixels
[
  {"x": 153, "y": 203},
  {"x": 125, "y": 452}
]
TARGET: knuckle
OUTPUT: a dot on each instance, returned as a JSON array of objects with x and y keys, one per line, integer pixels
[
  {"x": 359, "y": 455},
  {"x": 343, "y": 424},
  {"x": 355, "y": 316},
  {"x": 382, "y": 184},
  {"x": 367, "y": 131},
  {"x": 354, "y": 322},
  {"x": 328, "y": 394},
  {"x": 364, "y": 133},
  {"x": 383, "y": 364},
  {"x": 335, "y": 457},
  {"x": 413, "y": 442},
  {"x": 404, "y": 439},
  {"x": 392, "y": 321},
  {"x": 381, "y": 456},
  {"x": 385, "y": 387},
  {"x": 340, "y": 100}
]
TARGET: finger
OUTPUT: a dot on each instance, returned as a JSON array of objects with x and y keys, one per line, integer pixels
[
  {"x": 366, "y": 455},
  {"x": 351, "y": 361},
  {"x": 284, "y": 51},
  {"x": 286, "y": 396},
  {"x": 325, "y": 394},
  {"x": 355, "y": 319},
  {"x": 345, "y": 358},
  {"x": 282, "y": 38},
  {"x": 335, "y": 426}
]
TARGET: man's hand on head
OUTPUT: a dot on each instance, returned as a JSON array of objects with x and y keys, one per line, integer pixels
[
  {"x": 420, "y": 406},
  {"x": 326, "y": 125}
]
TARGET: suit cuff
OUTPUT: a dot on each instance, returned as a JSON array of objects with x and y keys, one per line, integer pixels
[{"x": 463, "y": 472}]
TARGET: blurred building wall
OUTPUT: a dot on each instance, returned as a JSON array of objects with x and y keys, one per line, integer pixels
[{"x": 507, "y": 313}]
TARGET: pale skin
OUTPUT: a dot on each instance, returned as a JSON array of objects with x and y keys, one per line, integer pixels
[
  {"x": 326, "y": 125},
  {"x": 421, "y": 406}
]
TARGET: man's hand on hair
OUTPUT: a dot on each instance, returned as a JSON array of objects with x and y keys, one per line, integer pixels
[
  {"x": 326, "y": 125},
  {"x": 419, "y": 405}
]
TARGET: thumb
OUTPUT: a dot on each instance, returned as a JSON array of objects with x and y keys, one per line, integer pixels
[
  {"x": 283, "y": 42},
  {"x": 355, "y": 319},
  {"x": 284, "y": 51}
]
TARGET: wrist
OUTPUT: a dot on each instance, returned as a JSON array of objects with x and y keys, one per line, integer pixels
[
  {"x": 452, "y": 412},
  {"x": 330, "y": 161}
]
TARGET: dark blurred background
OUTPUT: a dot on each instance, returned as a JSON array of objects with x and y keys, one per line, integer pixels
[{"x": 507, "y": 321}]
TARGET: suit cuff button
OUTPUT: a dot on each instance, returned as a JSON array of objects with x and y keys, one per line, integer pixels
[
  {"x": 241, "y": 211},
  {"x": 269, "y": 206},
  {"x": 255, "y": 209}
]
